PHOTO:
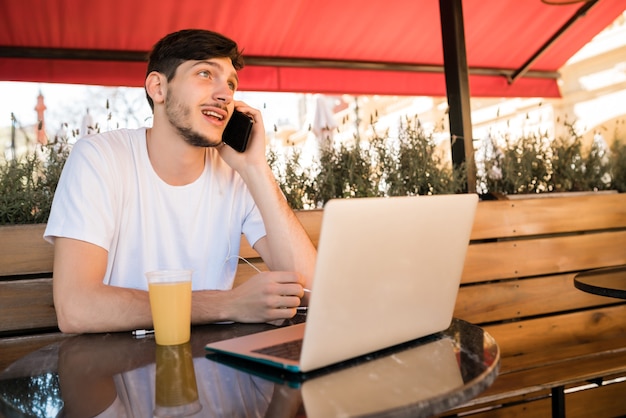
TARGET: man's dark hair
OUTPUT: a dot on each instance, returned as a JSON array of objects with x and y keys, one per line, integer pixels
[{"x": 190, "y": 44}]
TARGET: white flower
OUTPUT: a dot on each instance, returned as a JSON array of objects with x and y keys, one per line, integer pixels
[{"x": 495, "y": 173}]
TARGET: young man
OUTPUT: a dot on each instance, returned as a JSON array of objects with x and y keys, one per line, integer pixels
[{"x": 174, "y": 196}]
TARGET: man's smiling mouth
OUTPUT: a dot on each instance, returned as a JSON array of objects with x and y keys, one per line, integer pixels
[{"x": 213, "y": 114}]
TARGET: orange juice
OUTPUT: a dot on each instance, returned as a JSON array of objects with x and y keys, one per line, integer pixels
[{"x": 170, "y": 303}]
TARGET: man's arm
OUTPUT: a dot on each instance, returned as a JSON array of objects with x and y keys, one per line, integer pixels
[
  {"x": 286, "y": 247},
  {"x": 85, "y": 304}
]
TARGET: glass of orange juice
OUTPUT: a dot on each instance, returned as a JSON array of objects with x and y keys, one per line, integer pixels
[{"x": 170, "y": 303}]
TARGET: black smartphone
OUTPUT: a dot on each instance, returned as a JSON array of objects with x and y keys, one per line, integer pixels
[{"x": 237, "y": 131}]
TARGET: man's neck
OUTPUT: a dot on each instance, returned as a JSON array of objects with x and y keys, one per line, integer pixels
[{"x": 175, "y": 162}]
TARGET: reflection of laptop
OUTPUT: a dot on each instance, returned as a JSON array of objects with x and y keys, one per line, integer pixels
[
  {"x": 408, "y": 378},
  {"x": 388, "y": 271}
]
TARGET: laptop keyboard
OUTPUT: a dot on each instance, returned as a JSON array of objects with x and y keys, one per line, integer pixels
[{"x": 289, "y": 350}]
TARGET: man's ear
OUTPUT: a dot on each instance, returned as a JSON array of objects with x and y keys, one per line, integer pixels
[{"x": 155, "y": 86}]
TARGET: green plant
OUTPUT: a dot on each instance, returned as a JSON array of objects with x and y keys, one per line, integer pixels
[
  {"x": 520, "y": 166},
  {"x": 294, "y": 180},
  {"x": 572, "y": 170},
  {"x": 410, "y": 164},
  {"x": 618, "y": 165},
  {"x": 27, "y": 185},
  {"x": 344, "y": 171},
  {"x": 567, "y": 163},
  {"x": 414, "y": 166},
  {"x": 537, "y": 163}
]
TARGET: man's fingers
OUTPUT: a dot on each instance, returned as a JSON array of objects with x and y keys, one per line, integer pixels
[
  {"x": 283, "y": 302},
  {"x": 292, "y": 289}
]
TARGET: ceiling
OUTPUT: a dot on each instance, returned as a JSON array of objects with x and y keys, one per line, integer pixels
[{"x": 326, "y": 46}]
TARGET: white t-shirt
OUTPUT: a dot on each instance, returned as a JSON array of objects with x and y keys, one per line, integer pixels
[{"x": 110, "y": 195}]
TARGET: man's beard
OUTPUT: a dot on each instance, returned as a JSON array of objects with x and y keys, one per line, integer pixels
[{"x": 177, "y": 113}]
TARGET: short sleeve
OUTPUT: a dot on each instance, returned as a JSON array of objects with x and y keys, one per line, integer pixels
[{"x": 83, "y": 204}]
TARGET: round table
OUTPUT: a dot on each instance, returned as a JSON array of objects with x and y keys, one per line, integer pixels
[
  {"x": 610, "y": 281},
  {"x": 116, "y": 373}
]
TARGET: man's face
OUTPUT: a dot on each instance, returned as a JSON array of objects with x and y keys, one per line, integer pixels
[{"x": 200, "y": 98}]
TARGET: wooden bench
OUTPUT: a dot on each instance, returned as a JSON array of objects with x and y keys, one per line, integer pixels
[
  {"x": 554, "y": 339},
  {"x": 561, "y": 347},
  {"x": 27, "y": 317}
]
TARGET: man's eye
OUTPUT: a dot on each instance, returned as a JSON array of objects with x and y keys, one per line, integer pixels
[
  {"x": 232, "y": 86},
  {"x": 204, "y": 74}
]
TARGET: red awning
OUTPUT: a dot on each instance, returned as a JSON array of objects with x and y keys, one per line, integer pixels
[{"x": 328, "y": 46}]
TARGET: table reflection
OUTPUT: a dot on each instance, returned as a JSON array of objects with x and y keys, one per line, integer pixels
[
  {"x": 386, "y": 383},
  {"x": 176, "y": 386},
  {"x": 116, "y": 375}
]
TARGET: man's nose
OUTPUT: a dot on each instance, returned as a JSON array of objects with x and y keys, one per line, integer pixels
[{"x": 224, "y": 94}]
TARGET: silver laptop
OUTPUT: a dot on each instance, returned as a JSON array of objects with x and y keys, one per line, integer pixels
[{"x": 388, "y": 271}]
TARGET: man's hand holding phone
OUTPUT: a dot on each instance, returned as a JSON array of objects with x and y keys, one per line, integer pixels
[
  {"x": 244, "y": 139},
  {"x": 237, "y": 131}
]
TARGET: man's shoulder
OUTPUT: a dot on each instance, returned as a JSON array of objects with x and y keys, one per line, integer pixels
[
  {"x": 118, "y": 137},
  {"x": 113, "y": 144},
  {"x": 117, "y": 150}
]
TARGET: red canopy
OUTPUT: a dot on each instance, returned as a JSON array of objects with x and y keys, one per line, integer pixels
[{"x": 328, "y": 46}]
